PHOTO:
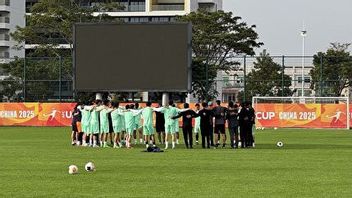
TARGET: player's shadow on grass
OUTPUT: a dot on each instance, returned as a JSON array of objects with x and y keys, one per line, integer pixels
[{"x": 304, "y": 146}]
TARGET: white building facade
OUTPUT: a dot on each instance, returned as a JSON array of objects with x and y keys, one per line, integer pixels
[{"x": 12, "y": 14}]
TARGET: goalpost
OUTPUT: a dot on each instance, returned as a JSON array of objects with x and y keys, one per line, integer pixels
[{"x": 302, "y": 112}]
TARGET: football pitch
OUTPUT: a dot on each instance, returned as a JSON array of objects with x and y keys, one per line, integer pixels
[{"x": 312, "y": 163}]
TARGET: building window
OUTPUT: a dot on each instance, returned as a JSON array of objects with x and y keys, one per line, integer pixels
[
  {"x": 228, "y": 97},
  {"x": 226, "y": 81},
  {"x": 306, "y": 92},
  {"x": 210, "y": 7},
  {"x": 239, "y": 79},
  {"x": 306, "y": 79},
  {"x": 160, "y": 19}
]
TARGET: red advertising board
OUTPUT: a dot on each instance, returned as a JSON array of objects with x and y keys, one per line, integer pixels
[{"x": 301, "y": 115}]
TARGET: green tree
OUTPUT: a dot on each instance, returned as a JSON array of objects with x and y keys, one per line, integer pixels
[
  {"x": 50, "y": 24},
  {"x": 266, "y": 79},
  {"x": 217, "y": 38},
  {"x": 332, "y": 72},
  {"x": 39, "y": 76},
  {"x": 9, "y": 88}
]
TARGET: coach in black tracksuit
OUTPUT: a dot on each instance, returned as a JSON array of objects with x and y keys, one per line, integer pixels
[
  {"x": 243, "y": 120},
  {"x": 251, "y": 123},
  {"x": 187, "y": 117},
  {"x": 206, "y": 123},
  {"x": 246, "y": 121},
  {"x": 160, "y": 125},
  {"x": 232, "y": 120}
]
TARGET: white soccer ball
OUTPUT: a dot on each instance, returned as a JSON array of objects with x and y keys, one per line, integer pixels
[
  {"x": 72, "y": 169},
  {"x": 89, "y": 166},
  {"x": 275, "y": 128},
  {"x": 279, "y": 144}
]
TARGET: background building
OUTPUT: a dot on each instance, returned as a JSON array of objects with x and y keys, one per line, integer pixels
[
  {"x": 229, "y": 85},
  {"x": 12, "y": 14},
  {"x": 136, "y": 11}
]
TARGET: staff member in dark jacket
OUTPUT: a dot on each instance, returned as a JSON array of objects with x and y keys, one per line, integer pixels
[
  {"x": 232, "y": 120},
  {"x": 76, "y": 125},
  {"x": 187, "y": 117},
  {"x": 160, "y": 125},
  {"x": 206, "y": 123},
  {"x": 243, "y": 118},
  {"x": 246, "y": 119},
  {"x": 251, "y": 123},
  {"x": 111, "y": 129}
]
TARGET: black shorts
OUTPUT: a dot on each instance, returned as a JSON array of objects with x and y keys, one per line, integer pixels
[
  {"x": 74, "y": 127},
  {"x": 219, "y": 128},
  {"x": 160, "y": 128}
]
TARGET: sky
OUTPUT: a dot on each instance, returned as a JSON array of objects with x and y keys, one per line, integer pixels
[{"x": 279, "y": 23}]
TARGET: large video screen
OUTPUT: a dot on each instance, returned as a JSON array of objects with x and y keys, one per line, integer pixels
[{"x": 133, "y": 57}]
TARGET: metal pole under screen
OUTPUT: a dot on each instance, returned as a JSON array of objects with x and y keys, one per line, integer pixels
[
  {"x": 165, "y": 99},
  {"x": 98, "y": 96}
]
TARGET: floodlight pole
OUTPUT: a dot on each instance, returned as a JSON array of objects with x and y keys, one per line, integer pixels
[
  {"x": 303, "y": 34},
  {"x": 24, "y": 80},
  {"x": 244, "y": 78},
  {"x": 145, "y": 96},
  {"x": 282, "y": 76},
  {"x": 60, "y": 78}
]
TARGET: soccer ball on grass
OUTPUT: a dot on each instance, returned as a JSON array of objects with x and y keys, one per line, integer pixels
[
  {"x": 89, "y": 166},
  {"x": 72, "y": 169},
  {"x": 279, "y": 144}
]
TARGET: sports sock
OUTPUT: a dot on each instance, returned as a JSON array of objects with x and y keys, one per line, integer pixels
[
  {"x": 128, "y": 142},
  {"x": 173, "y": 144}
]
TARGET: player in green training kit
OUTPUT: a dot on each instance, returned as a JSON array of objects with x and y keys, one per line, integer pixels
[
  {"x": 148, "y": 129},
  {"x": 117, "y": 123},
  {"x": 94, "y": 122},
  {"x": 170, "y": 124},
  {"x": 85, "y": 124},
  {"x": 138, "y": 127},
  {"x": 88, "y": 109},
  {"x": 104, "y": 124},
  {"x": 123, "y": 132},
  {"x": 130, "y": 123},
  {"x": 177, "y": 127}
]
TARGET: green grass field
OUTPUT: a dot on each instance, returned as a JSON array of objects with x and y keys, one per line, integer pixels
[{"x": 313, "y": 163}]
